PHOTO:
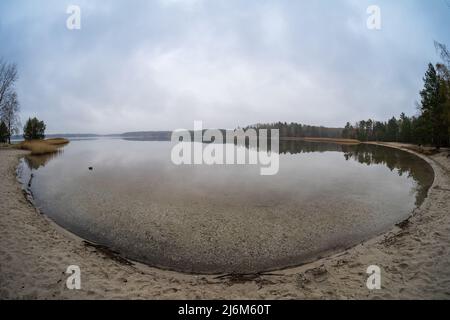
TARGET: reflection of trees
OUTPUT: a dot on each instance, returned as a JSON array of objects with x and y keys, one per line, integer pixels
[
  {"x": 295, "y": 147},
  {"x": 402, "y": 162},
  {"x": 301, "y": 146},
  {"x": 37, "y": 161}
]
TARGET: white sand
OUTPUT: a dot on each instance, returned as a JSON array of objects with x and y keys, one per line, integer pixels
[{"x": 34, "y": 254}]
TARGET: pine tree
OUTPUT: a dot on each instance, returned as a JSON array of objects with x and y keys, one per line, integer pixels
[
  {"x": 444, "y": 103},
  {"x": 392, "y": 130},
  {"x": 34, "y": 129},
  {"x": 405, "y": 134},
  {"x": 430, "y": 106}
]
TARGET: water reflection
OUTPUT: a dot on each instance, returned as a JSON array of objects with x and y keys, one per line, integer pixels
[
  {"x": 35, "y": 162},
  {"x": 396, "y": 160},
  {"x": 227, "y": 218}
]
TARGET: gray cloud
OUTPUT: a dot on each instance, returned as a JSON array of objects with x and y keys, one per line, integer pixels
[{"x": 150, "y": 65}]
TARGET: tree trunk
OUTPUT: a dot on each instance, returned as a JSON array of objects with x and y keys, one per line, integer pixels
[{"x": 9, "y": 131}]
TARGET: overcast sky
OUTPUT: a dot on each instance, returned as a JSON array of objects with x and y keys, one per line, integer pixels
[{"x": 155, "y": 65}]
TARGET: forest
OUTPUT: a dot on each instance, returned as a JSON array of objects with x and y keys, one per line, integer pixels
[{"x": 431, "y": 124}]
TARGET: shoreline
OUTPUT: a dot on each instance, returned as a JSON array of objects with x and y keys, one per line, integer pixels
[
  {"x": 118, "y": 256},
  {"x": 107, "y": 278}
]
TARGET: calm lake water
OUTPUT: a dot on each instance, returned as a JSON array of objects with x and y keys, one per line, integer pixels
[{"x": 213, "y": 219}]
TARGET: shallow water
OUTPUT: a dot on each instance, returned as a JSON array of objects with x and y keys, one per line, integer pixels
[{"x": 214, "y": 219}]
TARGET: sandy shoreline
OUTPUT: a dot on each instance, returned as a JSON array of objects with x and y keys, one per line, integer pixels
[{"x": 34, "y": 254}]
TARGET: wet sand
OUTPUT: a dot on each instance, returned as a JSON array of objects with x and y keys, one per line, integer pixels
[{"x": 35, "y": 252}]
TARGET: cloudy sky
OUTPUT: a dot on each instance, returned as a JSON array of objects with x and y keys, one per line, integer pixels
[{"x": 161, "y": 64}]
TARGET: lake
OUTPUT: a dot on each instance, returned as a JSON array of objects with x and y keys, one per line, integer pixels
[{"x": 227, "y": 218}]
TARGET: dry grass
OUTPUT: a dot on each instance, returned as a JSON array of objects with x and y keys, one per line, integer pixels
[
  {"x": 40, "y": 147},
  {"x": 57, "y": 141}
]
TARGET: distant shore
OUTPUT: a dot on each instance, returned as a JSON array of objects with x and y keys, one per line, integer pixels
[{"x": 414, "y": 258}]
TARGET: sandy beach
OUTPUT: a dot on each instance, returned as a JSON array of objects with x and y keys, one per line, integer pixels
[{"x": 414, "y": 258}]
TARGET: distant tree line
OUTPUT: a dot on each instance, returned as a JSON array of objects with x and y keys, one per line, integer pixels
[
  {"x": 405, "y": 129},
  {"x": 431, "y": 126}
]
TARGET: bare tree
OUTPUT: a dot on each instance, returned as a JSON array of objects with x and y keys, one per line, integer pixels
[
  {"x": 10, "y": 114},
  {"x": 9, "y": 104},
  {"x": 8, "y": 76},
  {"x": 443, "y": 68},
  {"x": 444, "y": 52}
]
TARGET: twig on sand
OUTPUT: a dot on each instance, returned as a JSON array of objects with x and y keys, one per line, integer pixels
[
  {"x": 404, "y": 224},
  {"x": 245, "y": 277},
  {"x": 440, "y": 188},
  {"x": 109, "y": 253}
]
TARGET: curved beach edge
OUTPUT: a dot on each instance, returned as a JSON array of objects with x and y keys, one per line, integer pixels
[{"x": 414, "y": 258}]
